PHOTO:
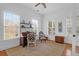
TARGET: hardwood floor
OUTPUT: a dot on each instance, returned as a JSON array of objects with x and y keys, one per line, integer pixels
[
  {"x": 67, "y": 51},
  {"x": 3, "y": 53}
]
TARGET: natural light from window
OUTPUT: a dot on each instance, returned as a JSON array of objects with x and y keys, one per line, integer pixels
[
  {"x": 11, "y": 26},
  {"x": 35, "y": 25}
]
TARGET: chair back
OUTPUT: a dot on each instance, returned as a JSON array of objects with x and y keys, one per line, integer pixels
[
  {"x": 31, "y": 37},
  {"x": 41, "y": 34}
]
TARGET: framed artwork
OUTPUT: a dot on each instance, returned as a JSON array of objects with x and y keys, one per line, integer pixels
[{"x": 60, "y": 26}]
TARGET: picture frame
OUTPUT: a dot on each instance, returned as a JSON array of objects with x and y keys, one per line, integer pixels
[{"x": 60, "y": 26}]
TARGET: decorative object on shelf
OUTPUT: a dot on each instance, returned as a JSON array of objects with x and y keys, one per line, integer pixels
[
  {"x": 22, "y": 26},
  {"x": 26, "y": 25},
  {"x": 30, "y": 24}
]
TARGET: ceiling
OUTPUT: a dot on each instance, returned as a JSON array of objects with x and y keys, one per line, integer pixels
[{"x": 50, "y": 7}]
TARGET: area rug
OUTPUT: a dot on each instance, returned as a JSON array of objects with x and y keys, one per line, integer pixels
[{"x": 43, "y": 49}]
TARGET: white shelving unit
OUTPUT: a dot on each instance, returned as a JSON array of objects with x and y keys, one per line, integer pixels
[{"x": 25, "y": 27}]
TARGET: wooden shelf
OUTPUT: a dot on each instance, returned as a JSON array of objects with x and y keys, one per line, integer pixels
[{"x": 25, "y": 23}]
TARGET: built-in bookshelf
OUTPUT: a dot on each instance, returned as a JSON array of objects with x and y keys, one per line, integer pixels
[{"x": 25, "y": 26}]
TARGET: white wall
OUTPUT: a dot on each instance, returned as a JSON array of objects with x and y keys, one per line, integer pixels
[
  {"x": 25, "y": 14},
  {"x": 5, "y": 44}
]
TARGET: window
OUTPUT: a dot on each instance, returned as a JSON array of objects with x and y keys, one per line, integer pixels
[
  {"x": 35, "y": 26},
  {"x": 11, "y": 25},
  {"x": 68, "y": 26}
]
